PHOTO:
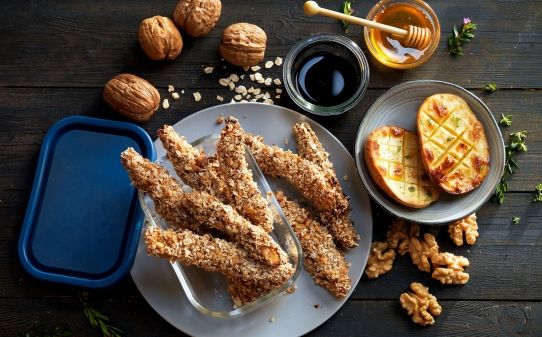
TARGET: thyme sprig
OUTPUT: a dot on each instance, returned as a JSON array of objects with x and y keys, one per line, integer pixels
[
  {"x": 515, "y": 220},
  {"x": 458, "y": 39},
  {"x": 538, "y": 193},
  {"x": 346, "y": 8},
  {"x": 515, "y": 146},
  {"x": 97, "y": 319},
  {"x": 506, "y": 120}
]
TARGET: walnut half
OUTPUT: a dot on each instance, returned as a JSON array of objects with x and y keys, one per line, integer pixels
[
  {"x": 468, "y": 225},
  {"x": 421, "y": 251},
  {"x": 380, "y": 259},
  {"x": 420, "y": 304}
]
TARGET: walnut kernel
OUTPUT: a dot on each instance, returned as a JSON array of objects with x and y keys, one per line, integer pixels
[
  {"x": 380, "y": 259},
  {"x": 468, "y": 225},
  {"x": 420, "y": 304}
]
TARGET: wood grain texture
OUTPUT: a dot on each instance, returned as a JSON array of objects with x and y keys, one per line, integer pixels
[
  {"x": 72, "y": 44},
  {"x": 55, "y": 57}
]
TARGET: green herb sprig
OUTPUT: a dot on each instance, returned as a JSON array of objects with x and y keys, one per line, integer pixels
[
  {"x": 97, "y": 319},
  {"x": 491, "y": 87},
  {"x": 506, "y": 120},
  {"x": 515, "y": 146},
  {"x": 515, "y": 220},
  {"x": 538, "y": 193},
  {"x": 458, "y": 39},
  {"x": 346, "y": 8}
]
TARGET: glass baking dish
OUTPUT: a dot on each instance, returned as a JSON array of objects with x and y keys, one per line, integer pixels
[{"x": 205, "y": 290}]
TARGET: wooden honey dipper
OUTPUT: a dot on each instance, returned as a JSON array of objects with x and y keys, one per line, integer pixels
[{"x": 416, "y": 37}]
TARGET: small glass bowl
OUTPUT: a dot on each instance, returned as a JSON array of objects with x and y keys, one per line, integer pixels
[
  {"x": 421, "y": 55},
  {"x": 207, "y": 291},
  {"x": 331, "y": 43}
]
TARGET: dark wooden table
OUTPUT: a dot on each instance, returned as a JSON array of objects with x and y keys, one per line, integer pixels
[{"x": 55, "y": 57}]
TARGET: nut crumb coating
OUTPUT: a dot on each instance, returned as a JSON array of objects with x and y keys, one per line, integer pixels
[
  {"x": 192, "y": 166},
  {"x": 243, "y": 292},
  {"x": 322, "y": 260},
  {"x": 241, "y": 189},
  {"x": 309, "y": 147},
  {"x": 306, "y": 176},
  {"x": 199, "y": 208},
  {"x": 214, "y": 255}
]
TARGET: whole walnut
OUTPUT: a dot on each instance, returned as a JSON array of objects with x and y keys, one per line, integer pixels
[
  {"x": 243, "y": 44},
  {"x": 159, "y": 38},
  {"x": 132, "y": 97},
  {"x": 197, "y": 17}
]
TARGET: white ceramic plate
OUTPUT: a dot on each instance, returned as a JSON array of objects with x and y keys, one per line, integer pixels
[
  {"x": 399, "y": 106},
  {"x": 293, "y": 314}
]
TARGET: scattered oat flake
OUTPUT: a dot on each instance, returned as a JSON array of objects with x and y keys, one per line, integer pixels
[
  {"x": 234, "y": 77},
  {"x": 208, "y": 70},
  {"x": 224, "y": 82},
  {"x": 278, "y": 61},
  {"x": 268, "y": 64},
  {"x": 241, "y": 90},
  {"x": 269, "y": 101},
  {"x": 242, "y": 77},
  {"x": 182, "y": 91},
  {"x": 257, "y": 91},
  {"x": 268, "y": 81},
  {"x": 271, "y": 319},
  {"x": 165, "y": 103},
  {"x": 219, "y": 98},
  {"x": 237, "y": 97},
  {"x": 251, "y": 89},
  {"x": 266, "y": 95},
  {"x": 277, "y": 81},
  {"x": 255, "y": 68},
  {"x": 243, "y": 101},
  {"x": 279, "y": 90},
  {"x": 232, "y": 85},
  {"x": 246, "y": 68},
  {"x": 197, "y": 96},
  {"x": 170, "y": 88},
  {"x": 220, "y": 120},
  {"x": 175, "y": 95},
  {"x": 277, "y": 96},
  {"x": 345, "y": 177},
  {"x": 252, "y": 77}
]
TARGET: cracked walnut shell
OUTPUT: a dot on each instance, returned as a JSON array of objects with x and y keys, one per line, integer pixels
[
  {"x": 159, "y": 38},
  {"x": 197, "y": 17},
  {"x": 132, "y": 97},
  {"x": 468, "y": 225},
  {"x": 380, "y": 260},
  {"x": 420, "y": 304},
  {"x": 243, "y": 44}
]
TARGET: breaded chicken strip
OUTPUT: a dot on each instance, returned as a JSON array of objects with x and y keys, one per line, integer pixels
[{"x": 199, "y": 208}]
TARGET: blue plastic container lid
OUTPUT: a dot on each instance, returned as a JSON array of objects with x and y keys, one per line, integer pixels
[{"x": 83, "y": 219}]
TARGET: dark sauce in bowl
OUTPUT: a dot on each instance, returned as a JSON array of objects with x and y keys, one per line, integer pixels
[
  {"x": 326, "y": 79},
  {"x": 326, "y": 74}
]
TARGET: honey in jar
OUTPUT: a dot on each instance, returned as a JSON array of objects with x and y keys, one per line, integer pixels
[{"x": 386, "y": 47}]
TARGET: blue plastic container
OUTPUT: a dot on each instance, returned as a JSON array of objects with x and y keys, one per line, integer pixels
[{"x": 83, "y": 219}]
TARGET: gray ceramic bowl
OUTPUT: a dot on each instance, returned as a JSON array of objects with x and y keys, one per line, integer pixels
[{"x": 399, "y": 106}]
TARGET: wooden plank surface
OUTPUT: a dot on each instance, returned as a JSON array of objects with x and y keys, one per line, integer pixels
[
  {"x": 74, "y": 44},
  {"x": 55, "y": 57}
]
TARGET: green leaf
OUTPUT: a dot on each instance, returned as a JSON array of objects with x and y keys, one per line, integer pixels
[
  {"x": 538, "y": 193},
  {"x": 515, "y": 220},
  {"x": 459, "y": 38},
  {"x": 346, "y": 8}
]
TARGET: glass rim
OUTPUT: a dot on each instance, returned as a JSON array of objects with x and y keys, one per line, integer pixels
[
  {"x": 425, "y": 8},
  {"x": 314, "y": 39}
]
